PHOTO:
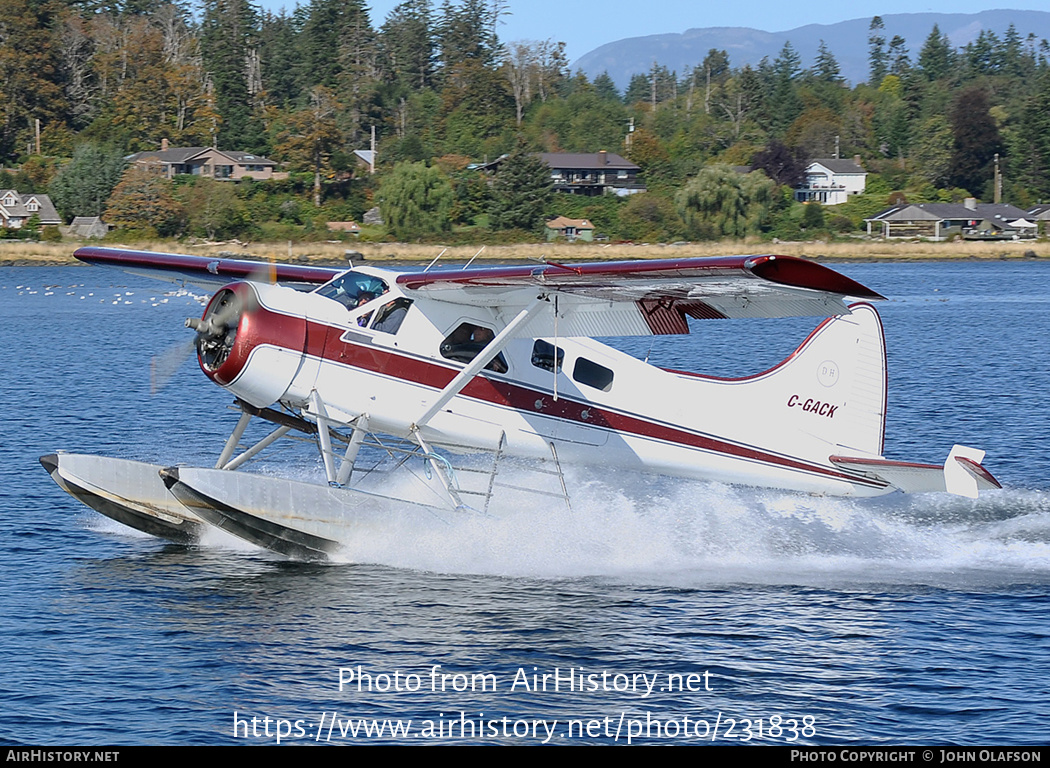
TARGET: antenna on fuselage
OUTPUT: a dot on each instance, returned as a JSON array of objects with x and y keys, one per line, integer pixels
[
  {"x": 435, "y": 261},
  {"x": 473, "y": 257}
]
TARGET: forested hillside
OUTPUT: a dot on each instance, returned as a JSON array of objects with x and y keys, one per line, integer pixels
[{"x": 106, "y": 79}]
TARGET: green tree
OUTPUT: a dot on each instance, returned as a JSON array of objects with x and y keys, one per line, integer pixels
[
  {"x": 649, "y": 217},
  {"x": 477, "y": 109},
  {"x": 932, "y": 150},
  {"x": 143, "y": 200},
  {"x": 900, "y": 62},
  {"x": 812, "y": 216},
  {"x": 467, "y": 32},
  {"x": 936, "y": 56},
  {"x": 977, "y": 140},
  {"x": 416, "y": 200},
  {"x": 407, "y": 39},
  {"x": 876, "y": 51},
  {"x": 281, "y": 59},
  {"x": 606, "y": 88},
  {"x": 213, "y": 209},
  {"x": 84, "y": 184},
  {"x": 719, "y": 202},
  {"x": 521, "y": 191},
  {"x": 826, "y": 66},
  {"x": 1030, "y": 144},
  {"x": 229, "y": 37}
]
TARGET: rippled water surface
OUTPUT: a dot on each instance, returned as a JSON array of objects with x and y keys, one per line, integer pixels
[{"x": 916, "y": 619}]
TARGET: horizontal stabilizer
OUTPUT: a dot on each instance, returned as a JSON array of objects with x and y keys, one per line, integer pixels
[{"x": 961, "y": 474}]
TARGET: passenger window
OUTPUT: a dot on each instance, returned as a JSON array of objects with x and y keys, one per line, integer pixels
[
  {"x": 391, "y": 315},
  {"x": 592, "y": 374},
  {"x": 466, "y": 342},
  {"x": 547, "y": 356}
]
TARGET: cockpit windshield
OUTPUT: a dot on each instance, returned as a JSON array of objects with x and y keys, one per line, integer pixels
[{"x": 352, "y": 289}]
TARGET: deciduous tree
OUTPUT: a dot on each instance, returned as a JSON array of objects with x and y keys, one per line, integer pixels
[
  {"x": 143, "y": 200},
  {"x": 718, "y": 202},
  {"x": 416, "y": 200},
  {"x": 977, "y": 140}
]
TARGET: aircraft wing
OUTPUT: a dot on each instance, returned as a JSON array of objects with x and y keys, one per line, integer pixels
[
  {"x": 648, "y": 297},
  {"x": 205, "y": 271}
]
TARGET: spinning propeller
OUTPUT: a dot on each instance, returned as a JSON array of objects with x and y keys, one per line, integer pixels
[{"x": 216, "y": 333}]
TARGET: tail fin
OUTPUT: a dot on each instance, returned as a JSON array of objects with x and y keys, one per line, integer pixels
[
  {"x": 828, "y": 397},
  {"x": 847, "y": 358}
]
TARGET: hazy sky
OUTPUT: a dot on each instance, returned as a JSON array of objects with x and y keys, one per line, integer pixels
[{"x": 585, "y": 24}]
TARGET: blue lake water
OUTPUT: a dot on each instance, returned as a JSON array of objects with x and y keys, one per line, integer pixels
[{"x": 761, "y": 616}]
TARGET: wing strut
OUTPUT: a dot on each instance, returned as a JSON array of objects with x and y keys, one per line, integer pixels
[{"x": 486, "y": 356}]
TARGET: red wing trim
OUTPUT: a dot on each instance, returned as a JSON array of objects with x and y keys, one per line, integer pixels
[
  {"x": 801, "y": 273},
  {"x": 215, "y": 270}
]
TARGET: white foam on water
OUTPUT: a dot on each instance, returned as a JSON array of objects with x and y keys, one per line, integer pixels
[{"x": 717, "y": 533}]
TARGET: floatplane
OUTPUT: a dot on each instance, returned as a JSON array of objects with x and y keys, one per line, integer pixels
[{"x": 501, "y": 362}]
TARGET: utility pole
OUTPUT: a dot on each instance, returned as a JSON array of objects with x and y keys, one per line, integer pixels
[{"x": 998, "y": 181}]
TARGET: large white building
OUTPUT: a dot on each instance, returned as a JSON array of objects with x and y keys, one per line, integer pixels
[{"x": 830, "y": 181}]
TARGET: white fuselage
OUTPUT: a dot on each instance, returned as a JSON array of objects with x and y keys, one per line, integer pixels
[{"x": 597, "y": 405}]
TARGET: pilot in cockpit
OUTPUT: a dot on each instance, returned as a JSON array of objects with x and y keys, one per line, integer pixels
[{"x": 349, "y": 288}]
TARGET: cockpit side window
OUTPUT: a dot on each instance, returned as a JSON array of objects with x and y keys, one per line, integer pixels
[
  {"x": 353, "y": 289},
  {"x": 466, "y": 342}
]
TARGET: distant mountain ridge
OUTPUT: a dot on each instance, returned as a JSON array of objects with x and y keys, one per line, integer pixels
[{"x": 848, "y": 40}]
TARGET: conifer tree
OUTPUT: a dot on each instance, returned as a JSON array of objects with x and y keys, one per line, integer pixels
[
  {"x": 407, "y": 40},
  {"x": 936, "y": 56},
  {"x": 228, "y": 44},
  {"x": 876, "y": 51},
  {"x": 84, "y": 184},
  {"x": 826, "y": 66},
  {"x": 900, "y": 63},
  {"x": 605, "y": 87},
  {"x": 521, "y": 192}
]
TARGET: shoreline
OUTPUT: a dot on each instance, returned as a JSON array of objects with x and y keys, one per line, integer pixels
[{"x": 22, "y": 254}]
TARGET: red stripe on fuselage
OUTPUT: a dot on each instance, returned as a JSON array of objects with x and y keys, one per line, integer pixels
[{"x": 324, "y": 342}]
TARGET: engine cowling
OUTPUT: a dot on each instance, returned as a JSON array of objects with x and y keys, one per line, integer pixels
[{"x": 250, "y": 340}]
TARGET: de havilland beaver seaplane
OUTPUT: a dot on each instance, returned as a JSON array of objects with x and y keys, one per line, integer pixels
[{"x": 501, "y": 362}]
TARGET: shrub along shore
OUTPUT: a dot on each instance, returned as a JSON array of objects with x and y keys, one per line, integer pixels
[{"x": 20, "y": 253}]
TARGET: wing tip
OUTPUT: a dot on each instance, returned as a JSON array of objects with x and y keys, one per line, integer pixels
[{"x": 798, "y": 272}]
